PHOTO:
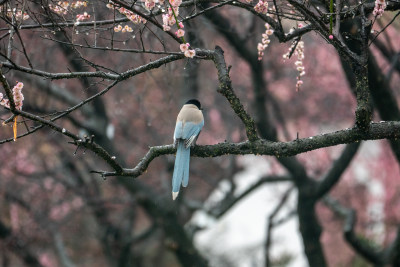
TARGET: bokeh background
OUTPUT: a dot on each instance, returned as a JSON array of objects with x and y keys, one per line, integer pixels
[{"x": 55, "y": 212}]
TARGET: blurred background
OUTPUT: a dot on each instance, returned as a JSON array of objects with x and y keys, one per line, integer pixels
[{"x": 237, "y": 210}]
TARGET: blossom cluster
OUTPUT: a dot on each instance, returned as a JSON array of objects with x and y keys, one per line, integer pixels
[
  {"x": 188, "y": 52},
  {"x": 126, "y": 28},
  {"x": 17, "y": 95},
  {"x": 299, "y": 52},
  {"x": 62, "y": 7},
  {"x": 83, "y": 16},
  {"x": 379, "y": 8},
  {"x": 180, "y": 32},
  {"x": 261, "y": 7},
  {"x": 299, "y": 63},
  {"x": 129, "y": 14},
  {"x": 265, "y": 40},
  {"x": 150, "y": 4},
  {"x": 169, "y": 18},
  {"x": 17, "y": 14},
  {"x": 78, "y": 4}
]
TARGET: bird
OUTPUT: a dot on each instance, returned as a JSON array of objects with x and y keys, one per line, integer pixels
[{"x": 189, "y": 123}]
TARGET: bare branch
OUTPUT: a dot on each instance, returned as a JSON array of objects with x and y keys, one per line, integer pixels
[
  {"x": 319, "y": 25},
  {"x": 97, "y": 74},
  {"x": 225, "y": 88},
  {"x": 148, "y": 18},
  {"x": 381, "y": 130}
]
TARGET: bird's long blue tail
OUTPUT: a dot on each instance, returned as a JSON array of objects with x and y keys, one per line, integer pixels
[{"x": 181, "y": 169}]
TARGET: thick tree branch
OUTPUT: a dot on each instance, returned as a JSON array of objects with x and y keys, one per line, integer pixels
[
  {"x": 310, "y": 228},
  {"x": 381, "y": 93},
  {"x": 364, "y": 101},
  {"x": 266, "y": 129},
  {"x": 250, "y": 56},
  {"x": 381, "y": 130},
  {"x": 96, "y": 74},
  {"x": 225, "y": 88},
  {"x": 87, "y": 143}
]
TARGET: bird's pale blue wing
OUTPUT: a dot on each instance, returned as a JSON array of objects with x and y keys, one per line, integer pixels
[
  {"x": 178, "y": 130},
  {"x": 190, "y": 131}
]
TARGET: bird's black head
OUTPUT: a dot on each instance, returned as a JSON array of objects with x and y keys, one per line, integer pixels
[{"x": 194, "y": 102}]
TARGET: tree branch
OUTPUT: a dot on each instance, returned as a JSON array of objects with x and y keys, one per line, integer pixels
[
  {"x": 96, "y": 74},
  {"x": 381, "y": 130},
  {"x": 319, "y": 25},
  {"x": 225, "y": 88}
]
